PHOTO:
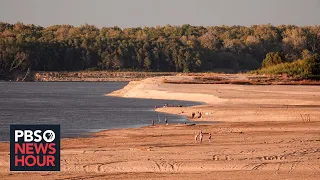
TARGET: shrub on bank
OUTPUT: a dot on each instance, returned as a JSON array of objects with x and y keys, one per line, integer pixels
[{"x": 308, "y": 68}]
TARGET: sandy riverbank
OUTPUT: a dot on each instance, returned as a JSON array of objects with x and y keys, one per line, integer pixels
[{"x": 268, "y": 132}]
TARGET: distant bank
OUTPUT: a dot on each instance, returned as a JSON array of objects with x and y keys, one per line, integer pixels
[
  {"x": 86, "y": 76},
  {"x": 185, "y": 78}
]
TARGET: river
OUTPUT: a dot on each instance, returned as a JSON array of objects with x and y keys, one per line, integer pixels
[{"x": 79, "y": 107}]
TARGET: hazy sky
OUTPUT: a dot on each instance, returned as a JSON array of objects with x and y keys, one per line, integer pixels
[{"x": 133, "y": 13}]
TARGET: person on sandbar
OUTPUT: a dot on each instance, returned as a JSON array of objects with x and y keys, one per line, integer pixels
[
  {"x": 196, "y": 137},
  {"x": 201, "y": 136}
]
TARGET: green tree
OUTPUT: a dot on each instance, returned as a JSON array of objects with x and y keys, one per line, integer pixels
[
  {"x": 272, "y": 58},
  {"x": 147, "y": 63},
  {"x": 306, "y": 54},
  {"x": 118, "y": 62},
  {"x": 313, "y": 65}
]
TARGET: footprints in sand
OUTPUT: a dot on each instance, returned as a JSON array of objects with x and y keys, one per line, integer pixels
[
  {"x": 273, "y": 158},
  {"x": 134, "y": 166},
  {"x": 253, "y": 166},
  {"x": 168, "y": 166},
  {"x": 4, "y": 160},
  {"x": 303, "y": 152},
  {"x": 4, "y": 163},
  {"x": 221, "y": 158},
  {"x": 286, "y": 160},
  {"x": 263, "y": 158}
]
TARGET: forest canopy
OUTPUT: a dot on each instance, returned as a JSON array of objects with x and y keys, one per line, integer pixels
[{"x": 183, "y": 48}]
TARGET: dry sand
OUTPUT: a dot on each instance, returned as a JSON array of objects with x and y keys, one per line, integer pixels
[{"x": 263, "y": 132}]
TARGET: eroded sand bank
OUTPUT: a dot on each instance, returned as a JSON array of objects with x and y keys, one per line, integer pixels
[{"x": 266, "y": 132}]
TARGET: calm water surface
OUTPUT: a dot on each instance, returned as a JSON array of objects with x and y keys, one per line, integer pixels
[{"x": 79, "y": 107}]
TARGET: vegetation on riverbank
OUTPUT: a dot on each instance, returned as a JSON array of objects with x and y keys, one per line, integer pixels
[
  {"x": 185, "y": 48},
  {"x": 308, "y": 68},
  {"x": 97, "y": 76}
]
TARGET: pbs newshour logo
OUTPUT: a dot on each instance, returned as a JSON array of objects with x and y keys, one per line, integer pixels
[{"x": 34, "y": 147}]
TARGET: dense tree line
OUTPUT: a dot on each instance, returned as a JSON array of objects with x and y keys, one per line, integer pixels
[{"x": 170, "y": 48}]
